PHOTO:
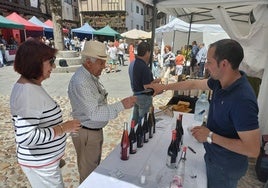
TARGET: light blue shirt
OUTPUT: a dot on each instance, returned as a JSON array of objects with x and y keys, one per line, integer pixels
[{"x": 89, "y": 100}]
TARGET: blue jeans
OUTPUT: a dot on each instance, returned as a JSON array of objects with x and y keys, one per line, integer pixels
[
  {"x": 144, "y": 102},
  {"x": 219, "y": 177},
  {"x": 201, "y": 69}
]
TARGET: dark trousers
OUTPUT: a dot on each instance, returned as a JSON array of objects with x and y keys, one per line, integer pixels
[{"x": 121, "y": 59}]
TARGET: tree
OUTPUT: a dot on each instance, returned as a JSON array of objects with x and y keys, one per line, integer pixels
[{"x": 55, "y": 7}]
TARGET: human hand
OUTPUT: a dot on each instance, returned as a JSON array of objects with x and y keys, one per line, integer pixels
[
  {"x": 158, "y": 88},
  {"x": 200, "y": 133},
  {"x": 71, "y": 126},
  {"x": 129, "y": 102}
]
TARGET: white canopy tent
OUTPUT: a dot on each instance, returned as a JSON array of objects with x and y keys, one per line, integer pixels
[
  {"x": 234, "y": 16},
  {"x": 178, "y": 29},
  {"x": 136, "y": 34},
  {"x": 201, "y": 10}
]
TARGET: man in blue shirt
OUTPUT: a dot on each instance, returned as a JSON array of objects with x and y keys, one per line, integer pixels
[
  {"x": 140, "y": 75},
  {"x": 232, "y": 133}
]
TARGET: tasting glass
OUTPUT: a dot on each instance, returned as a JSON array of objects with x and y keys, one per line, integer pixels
[{"x": 73, "y": 134}]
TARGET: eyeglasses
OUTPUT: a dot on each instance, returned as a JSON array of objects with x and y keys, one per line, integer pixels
[{"x": 52, "y": 60}]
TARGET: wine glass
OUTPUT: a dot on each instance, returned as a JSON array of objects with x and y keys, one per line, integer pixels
[
  {"x": 145, "y": 174},
  {"x": 164, "y": 177},
  {"x": 72, "y": 134}
]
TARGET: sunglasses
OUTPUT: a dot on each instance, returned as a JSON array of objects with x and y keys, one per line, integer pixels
[{"x": 52, "y": 60}]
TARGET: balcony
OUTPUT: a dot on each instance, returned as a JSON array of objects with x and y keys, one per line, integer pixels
[{"x": 148, "y": 18}]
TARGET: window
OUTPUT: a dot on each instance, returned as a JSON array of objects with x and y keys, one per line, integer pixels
[
  {"x": 137, "y": 27},
  {"x": 75, "y": 12},
  {"x": 141, "y": 11},
  {"x": 142, "y": 27},
  {"x": 147, "y": 25},
  {"x": 68, "y": 1},
  {"x": 137, "y": 9}
]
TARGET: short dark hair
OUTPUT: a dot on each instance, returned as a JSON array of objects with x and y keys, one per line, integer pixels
[
  {"x": 228, "y": 49},
  {"x": 142, "y": 48},
  {"x": 30, "y": 57}
]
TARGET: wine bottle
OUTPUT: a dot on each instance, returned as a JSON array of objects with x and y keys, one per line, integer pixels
[
  {"x": 172, "y": 152},
  {"x": 178, "y": 178},
  {"x": 140, "y": 135},
  {"x": 151, "y": 123},
  {"x": 180, "y": 132},
  {"x": 148, "y": 91},
  {"x": 125, "y": 143},
  {"x": 133, "y": 138},
  {"x": 145, "y": 128}
]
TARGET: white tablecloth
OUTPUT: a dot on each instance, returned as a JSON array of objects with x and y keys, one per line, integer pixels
[{"x": 113, "y": 172}]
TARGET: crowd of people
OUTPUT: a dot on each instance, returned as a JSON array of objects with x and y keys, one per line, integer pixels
[
  {"x": 189, "y": 60},
  {"x": 11, "y": 44}
]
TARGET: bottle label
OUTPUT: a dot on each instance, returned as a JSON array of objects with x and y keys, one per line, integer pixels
[
  {"x": 125, "y": 153},
  {"x": 177, "y": 182},
  {"x": 146, "y": 138},
  {"x": 128, "y": 152},
  {"x": 134, "y": 147}
]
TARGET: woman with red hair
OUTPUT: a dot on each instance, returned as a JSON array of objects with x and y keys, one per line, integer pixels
[{"x": 39, "y": 129}]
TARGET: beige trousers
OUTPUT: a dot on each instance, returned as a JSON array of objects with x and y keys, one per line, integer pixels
[{"x": 88, "y": 147}]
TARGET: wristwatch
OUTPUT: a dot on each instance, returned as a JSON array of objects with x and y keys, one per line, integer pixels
[{"x": 209, "y": 137}]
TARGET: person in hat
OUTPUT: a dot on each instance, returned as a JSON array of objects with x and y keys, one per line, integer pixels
[
  {"x": 39, "y": 129},
  {"x": 89, "y": 105}
]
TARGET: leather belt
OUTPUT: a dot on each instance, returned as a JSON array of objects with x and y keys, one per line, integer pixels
[{"x": 92, "y": 129}]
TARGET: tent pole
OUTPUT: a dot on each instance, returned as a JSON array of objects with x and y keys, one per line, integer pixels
[
  {"x": 189, "y": 35},
  {"x": 25, "y": 36},
  {"x": 153, "y": 31},
  {"x": 174, "y": 32}
]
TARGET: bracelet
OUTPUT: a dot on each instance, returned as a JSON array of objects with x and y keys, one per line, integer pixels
[{"x": 62, "y": 130}]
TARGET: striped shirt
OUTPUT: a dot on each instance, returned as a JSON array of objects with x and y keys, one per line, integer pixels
[
  {"x": 89, "y": 100},
  {"x": 34, "y": 113}
]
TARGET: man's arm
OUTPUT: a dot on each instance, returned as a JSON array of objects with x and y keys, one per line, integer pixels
[
  {"x": 183, "y": 85},
  {"x": 248, "y": 143}
]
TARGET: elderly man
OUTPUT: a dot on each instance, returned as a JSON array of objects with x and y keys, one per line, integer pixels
[{"x": 89, "y": 104}]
